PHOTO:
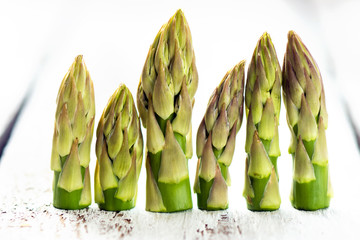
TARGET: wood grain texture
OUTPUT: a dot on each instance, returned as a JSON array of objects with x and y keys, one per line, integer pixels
[{"x": 26, "y": 210}]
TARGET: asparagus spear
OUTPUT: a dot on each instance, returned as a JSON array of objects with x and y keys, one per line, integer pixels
[
  {"x": 74, "y": 125},
  {"x": 119, "y": 151},
  {"x": 215, "y": 142},
  {"x": 304, "y": 99},
  {"x": 262, "y": 102},
  {"x": 165, "y": 98}
]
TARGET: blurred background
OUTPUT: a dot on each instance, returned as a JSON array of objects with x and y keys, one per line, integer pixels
[
  {"x": 40, "y": 39},
  {"x": 114, "y": 37}
]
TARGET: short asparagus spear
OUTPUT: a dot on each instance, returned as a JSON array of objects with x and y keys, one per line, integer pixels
[
  {"x": 262, "y": 101},
  {"x": 74, "y": 124},
  {"x": 215, "y": 142},
  {"x": 304, "y": 99},
  {"x": 119, "y": 151},
  {"x": 165, "y": 98}
]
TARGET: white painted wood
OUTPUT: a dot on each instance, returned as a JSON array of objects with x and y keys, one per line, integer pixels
[{"x": 114, "y": 39}]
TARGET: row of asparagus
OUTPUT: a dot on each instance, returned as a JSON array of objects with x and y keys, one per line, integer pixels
[{"x": 165, "y": 99}]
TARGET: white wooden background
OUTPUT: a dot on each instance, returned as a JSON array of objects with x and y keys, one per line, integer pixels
[{"x": 39, "y": 41}]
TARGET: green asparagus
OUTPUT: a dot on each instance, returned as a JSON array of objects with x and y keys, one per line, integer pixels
[
  {"x": 262, "y": 102},
  {"x": 165, "y": 99},
  {"x": 215, "y": 141},
  {"x": 73, "y": 131},
  {"x": 119, "y": 151},
  {"x": 304, "y": 99}
]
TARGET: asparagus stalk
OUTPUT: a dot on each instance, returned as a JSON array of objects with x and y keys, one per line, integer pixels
[
  {"x": 74, "y": 125},
  {"x": 165, "y": 98},
  {"x": 262, "y": 102},
  {"x": 119, "y": 151},
  {"x": 215, "y": 142},
  {"x": 304, "y": 99}
]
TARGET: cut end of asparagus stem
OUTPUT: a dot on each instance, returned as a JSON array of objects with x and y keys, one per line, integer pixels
[
  {"x": 119, "y": 151},
  {"x": 74, "y": 124},
  {"x": 262, "y": 101},
  {"x": 307, "y": 119},
  {"x": 165, "y": 98},
  {"x": 216, "y": 140}
]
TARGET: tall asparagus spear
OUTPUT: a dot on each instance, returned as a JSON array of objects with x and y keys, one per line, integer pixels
[
  {"x": 262, "y": 101},
  {"x": 74, "y": 125},
  {"x": 165, "y": 98},
  {"x": 119, "y": 151},
  {"x": 215, "y": 142},
  {"x": 307, "y": 118}
]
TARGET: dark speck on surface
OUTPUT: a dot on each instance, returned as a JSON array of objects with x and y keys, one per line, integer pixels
[
  {"x": 238, "y": 228},
  {"x": 209, "y": 230},
  {"x": 118, "y": 215}
]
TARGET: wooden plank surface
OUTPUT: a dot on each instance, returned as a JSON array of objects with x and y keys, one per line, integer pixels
[
  {"x": 114, "y": 39},
  {"x": 26, "y": 196}
]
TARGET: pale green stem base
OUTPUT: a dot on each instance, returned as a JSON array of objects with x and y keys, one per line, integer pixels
[
  {"x": 313, "y": 195},
  {"x": 205, "y": 188},
  {"x": 67, "y": 200},
  {"x": 113, "y": 204},
  {"x": 176, "y": 197}
]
